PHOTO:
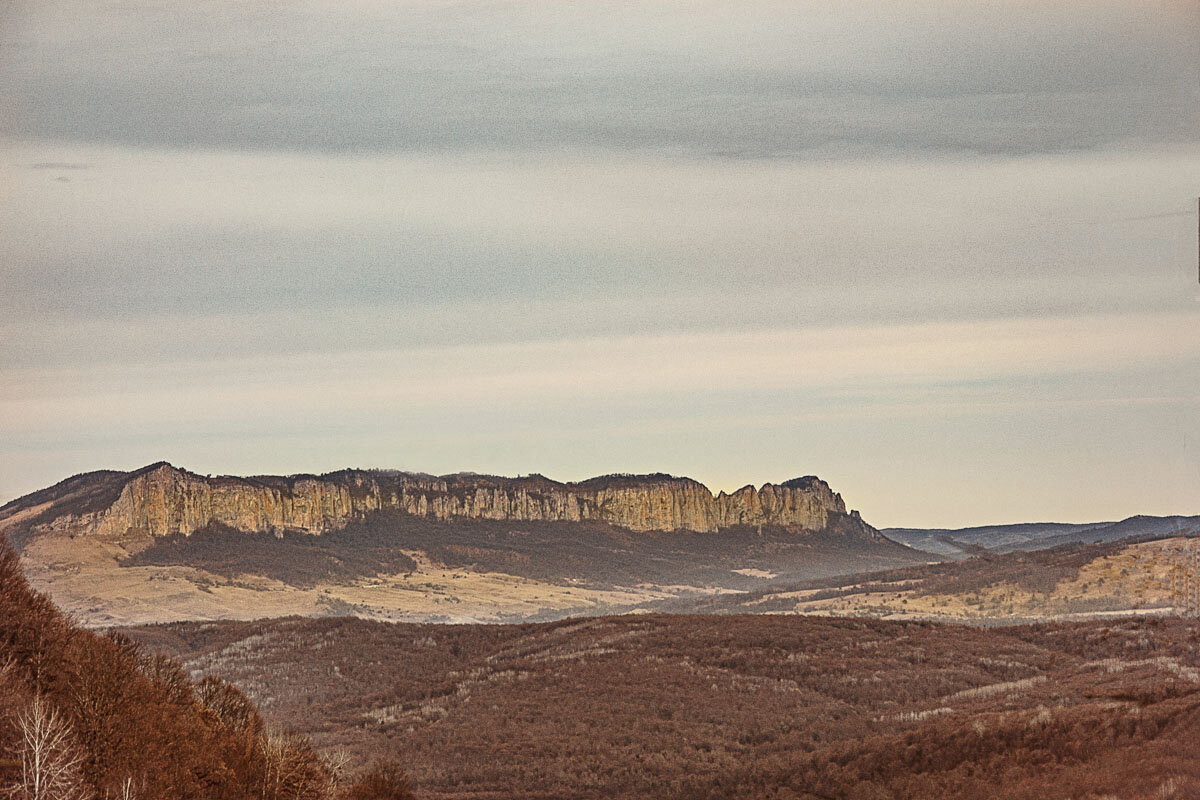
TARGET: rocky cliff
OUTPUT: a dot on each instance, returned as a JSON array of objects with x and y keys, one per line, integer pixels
[{"x": 162, "y": 499}]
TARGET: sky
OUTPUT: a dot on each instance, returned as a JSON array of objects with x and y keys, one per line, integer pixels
[{"x": 941, "y": 254}]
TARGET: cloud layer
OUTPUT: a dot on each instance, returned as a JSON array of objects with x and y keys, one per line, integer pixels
[
  {"x": 757, "y": 79},
  {"x": 942, "y": 254}
]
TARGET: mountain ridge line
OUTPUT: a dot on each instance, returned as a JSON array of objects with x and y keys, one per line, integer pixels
[{"x": 161, "y": 499}]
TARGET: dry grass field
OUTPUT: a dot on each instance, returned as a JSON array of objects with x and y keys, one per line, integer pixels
[
  {"x": 84, "y": 579},
  {"x": 399, "y": 567}
]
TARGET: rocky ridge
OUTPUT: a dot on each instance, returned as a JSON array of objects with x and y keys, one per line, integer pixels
[{"x": 161, "y": 500}]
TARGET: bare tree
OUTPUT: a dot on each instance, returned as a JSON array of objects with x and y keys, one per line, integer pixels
[
  {"x": 125, "y": 790},
  {"x": 50, "y": 761},
  {"x": 385, "y": 780},
  {"x": 292, "y": 770},
  {"x": 337, "y": 763}
]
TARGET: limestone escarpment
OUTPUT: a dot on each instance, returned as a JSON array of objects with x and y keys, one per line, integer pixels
[{"x": 161, "y": 500}]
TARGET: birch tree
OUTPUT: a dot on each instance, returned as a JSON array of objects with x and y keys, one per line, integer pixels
[{"x": 51, "y": 764}]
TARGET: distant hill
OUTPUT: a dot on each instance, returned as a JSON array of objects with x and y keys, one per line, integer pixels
[
  {"x": 961, "y": 542},
  {"x": 162, "y": 543},
  {"x": 1131, "y": 528},
  {"x": 1131, "y": 576}
]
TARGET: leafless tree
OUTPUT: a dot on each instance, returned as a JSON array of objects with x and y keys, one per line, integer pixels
[
  {"x": 291, "y": 768},
  {"x": 126, "y": 790},
  {"x": 50, "y": 761},
  {"x": 337, "y": 762}
]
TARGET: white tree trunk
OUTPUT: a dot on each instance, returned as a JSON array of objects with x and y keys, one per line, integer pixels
[{"x": 50, "y": 761}]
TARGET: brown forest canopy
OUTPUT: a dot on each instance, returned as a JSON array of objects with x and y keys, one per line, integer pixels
[
  {"x": 84, "y": 716},
  {"x": 763, "y": 706}
]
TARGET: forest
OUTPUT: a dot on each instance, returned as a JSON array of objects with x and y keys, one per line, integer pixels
[
  {"x": 90, "y": 717},
  {"x": 735, "y": 706}
]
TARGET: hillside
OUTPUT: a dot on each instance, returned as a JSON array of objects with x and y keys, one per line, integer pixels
[
  {"x": 162, "y": 543},
  {"x": 733, "y": 707},
  {"x": 85, "y": 717},
  {"x": 962, "y": 542},
  {"x": 1159, "y": 576}
]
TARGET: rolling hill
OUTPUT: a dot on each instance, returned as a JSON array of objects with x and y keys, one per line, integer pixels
[
  {"x": 961, "y": 542},
  {"x": 1070, "y": 581}
]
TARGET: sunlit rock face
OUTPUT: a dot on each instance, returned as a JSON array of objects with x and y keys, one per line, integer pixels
[{"x": 161, "y": 499}]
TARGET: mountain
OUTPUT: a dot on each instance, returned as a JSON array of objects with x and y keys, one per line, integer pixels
[
  {"x": 160, "y": 500},
  {"x": 772, "y": 707},
  {"x": 165, "y": 543},
  {"x": 961, "y": 542}
]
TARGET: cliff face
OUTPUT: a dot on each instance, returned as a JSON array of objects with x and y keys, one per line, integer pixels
[{"x": 161, "y": 500}]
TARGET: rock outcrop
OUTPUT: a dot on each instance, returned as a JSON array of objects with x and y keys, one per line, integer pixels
[{"x": 161, "y": 500}]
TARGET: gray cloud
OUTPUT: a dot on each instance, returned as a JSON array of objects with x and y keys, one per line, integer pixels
[
  {"x": 760, "y": 79},
  {"x": 938, "y": 252},
  {"x": 177, "y": 233}
]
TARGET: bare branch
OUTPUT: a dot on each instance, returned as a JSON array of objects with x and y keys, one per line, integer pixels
[{"x": 51, "y": 763}]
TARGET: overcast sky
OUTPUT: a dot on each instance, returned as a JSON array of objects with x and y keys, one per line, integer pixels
[{"x": 941, "y": 254}]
